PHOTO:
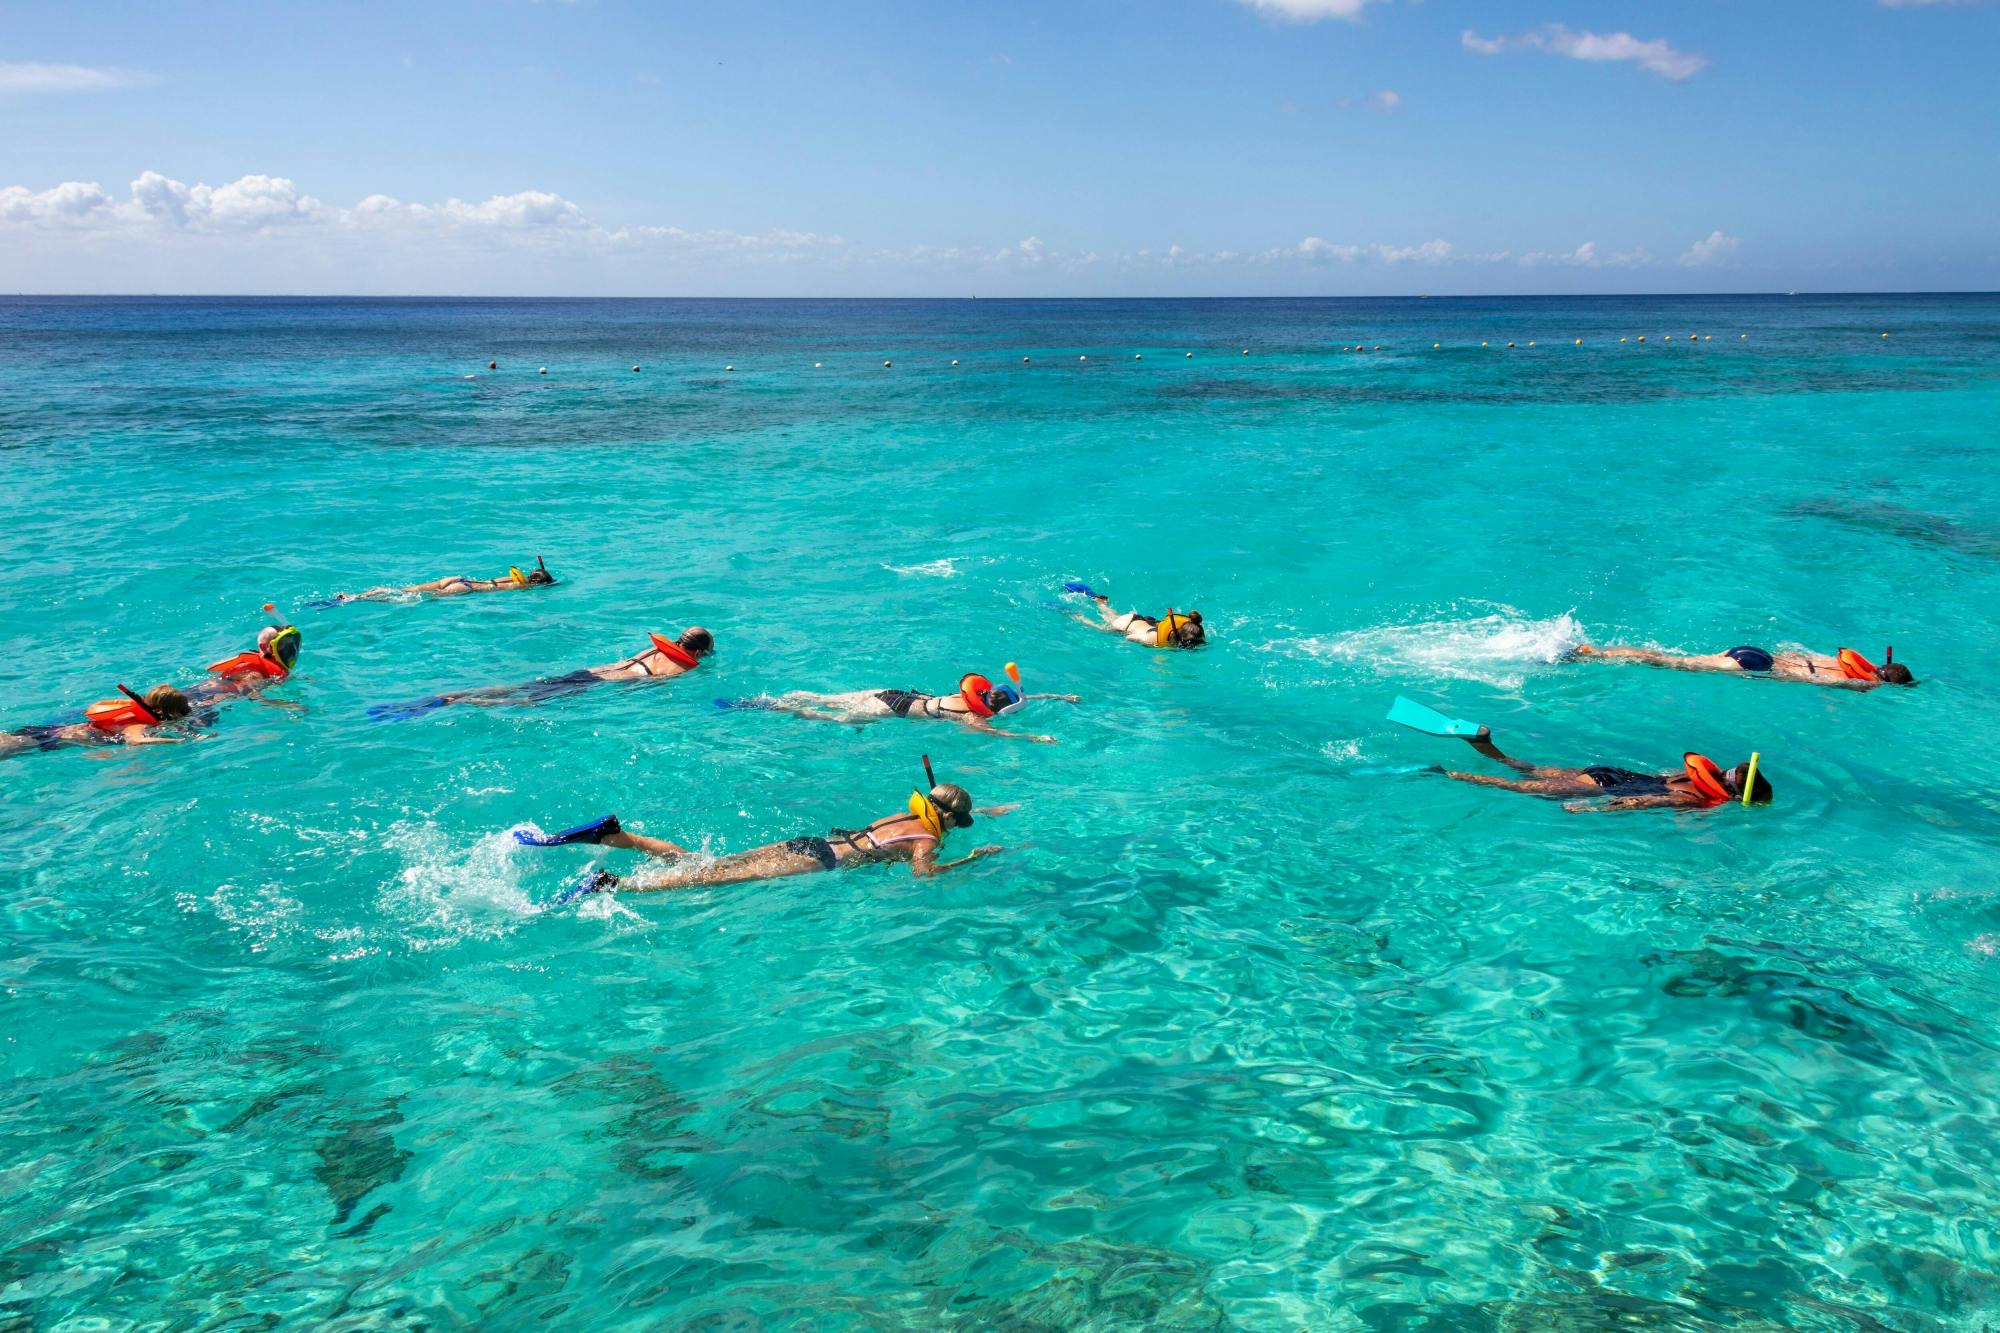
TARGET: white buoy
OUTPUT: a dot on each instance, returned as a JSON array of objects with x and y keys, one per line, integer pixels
[
  {"x": 1744, "y": 337},
  {"x": 1579, "y": 342},
  {"x": 954, "y": 361},
  {"x": 1083, "y": 358},
  {"x": 543, "y": 371},
  {"x": 1708, "y": 337},
  {"x": 1435, "y": 346},
  {"x": 1024, "y": 360},
  {"x": 815, "y": 365},
  {"x": 1510, "y": 344},
  {"x": 885, "y": 365},
  {"x": 1885, "y": 335},
  {"x": 1137, "y": 357},
  {"x": 495, "y": 365},
  {"x": 635, "y": 370},
  {"x": 1624, "y": 340},
  {"x": 1485, "y": 344},
  {"x": 1642, "y": 337},
  {"x": 725, "y": 368},
  {"x": 1378, "y": 347},
  {"x": 1531, "y": 342},
  {"x": 1246, "y": 351},
  {"x": 1188, "y": 355}
]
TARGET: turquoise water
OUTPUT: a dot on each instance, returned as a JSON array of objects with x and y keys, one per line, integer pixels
[{"x": 1240, "y": 1032}]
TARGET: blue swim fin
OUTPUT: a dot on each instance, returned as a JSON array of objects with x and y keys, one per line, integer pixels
[
  {"x": 592, "y": 832},
  {"x": 1077, "y": 585},
  {"x": 403, "y": 712},
  {"x": 1411, "y": 714},
  {"x": 758, "y": 703},
  {"x": 590, "y": 881}
]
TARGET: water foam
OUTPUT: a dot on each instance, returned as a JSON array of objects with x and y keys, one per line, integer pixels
[{"x": 1496, "y": 648}]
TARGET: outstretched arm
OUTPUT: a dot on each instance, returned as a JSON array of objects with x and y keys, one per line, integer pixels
[
  {"x": 1060, "y": 698},
  {"x": 981, "y": 724},
  {"x": 924, "y": 862}
]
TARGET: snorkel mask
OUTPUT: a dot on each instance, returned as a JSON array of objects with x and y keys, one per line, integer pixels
[
  {"x": 284, "y": 647},
  {"x": 283, "y": 642},
  {"x": 985, "y": 699}
]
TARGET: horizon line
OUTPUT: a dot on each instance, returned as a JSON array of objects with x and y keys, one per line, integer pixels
[{"x": 969, "y": 297}]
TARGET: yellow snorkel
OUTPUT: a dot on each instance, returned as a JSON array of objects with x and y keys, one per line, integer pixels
[{"x": 1750, "y": 780}]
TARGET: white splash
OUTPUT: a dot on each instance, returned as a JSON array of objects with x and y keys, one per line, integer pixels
[
  {"x": 934, "y": 569},
  {"x": 1496, "y": 647},
  {"x": 448, "y": 892}
]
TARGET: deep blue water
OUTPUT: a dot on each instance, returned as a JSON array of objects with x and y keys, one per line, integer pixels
[{"x": 1241, "y": 1031}]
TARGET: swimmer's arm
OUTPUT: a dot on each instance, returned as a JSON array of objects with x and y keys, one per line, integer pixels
[
  {"x": 1060, "y": 698},
  {"x": 141, "y": 736},
  {"x": 924, "y": 862},
  {"x": 1621, "y": 803},
  {"x": 981, "y": 724}
]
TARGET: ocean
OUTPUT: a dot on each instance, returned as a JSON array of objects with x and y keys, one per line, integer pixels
[{"x": 1250, "y": 1026}]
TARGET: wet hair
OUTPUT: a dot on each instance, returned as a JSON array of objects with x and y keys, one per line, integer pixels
[
  {"x": 997, "y": 699},
  {"x": 1762, "y": 793},
  {"x": 1189, "y": 633},
  {"x": 954, "y": 804},
  {"x": 540, "y": 575},
  {"x": 1895, "y": 673},
  {"x": 697, "y": 641},
  {"x": 167, "y": 703}
]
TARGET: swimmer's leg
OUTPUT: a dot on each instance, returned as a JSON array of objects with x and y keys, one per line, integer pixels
[
  {"x": 1533, "y": 786},
  {"x": 776, "y": 861},
  {"x": 639, "y": 842}
]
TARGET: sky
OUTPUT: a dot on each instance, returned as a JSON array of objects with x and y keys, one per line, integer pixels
[{"x": 1091, "y": 148}]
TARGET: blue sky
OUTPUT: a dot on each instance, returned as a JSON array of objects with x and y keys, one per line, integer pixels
[{"x": 1208, "y": 147}]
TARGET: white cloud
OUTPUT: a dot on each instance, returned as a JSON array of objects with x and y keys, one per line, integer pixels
[
  {"x": 1310, "y": 11},
  {"x": 1654, "y": 54},
  {"x": 70, "y": 203},
  {"x": 28, "y": 77},
  {"x": 1711, "y": 249},
  {"x": 1386, "y": 99},
  {"x": 1316, "y": 250}
]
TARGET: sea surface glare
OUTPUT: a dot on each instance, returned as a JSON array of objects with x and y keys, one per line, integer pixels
[{"x": 1252, "y": 1026}]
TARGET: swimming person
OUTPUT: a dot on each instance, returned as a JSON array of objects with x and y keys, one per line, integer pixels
[
  {"x": 666, "y": 659},
  {"x": 977, "y": 702},
  {"x": 914, "y": 836},
  {"x": 1173, "y": 630},
  {"x": 277, "y": 652},
  {"x": 160, "y": 716},
  {"x": 1699, "y": 783},
  {"x": 1847, "y": 669},
  {"x": 456, "y": 585}
]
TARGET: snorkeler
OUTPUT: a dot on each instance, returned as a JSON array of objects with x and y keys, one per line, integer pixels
[
  {"x": 161, "y": 716},
  {"x": 1847, "y": 669},
  {"x": 513, "y": 580},
  {"x": 277, "y": 652},
  {"x": 915, "y": 836},
  {"x": 1173, "y": 630},
  {"x": 666, "y": 659},
  {"x": 1700, "y": 783},
  {"x": 977, "y": 702}
]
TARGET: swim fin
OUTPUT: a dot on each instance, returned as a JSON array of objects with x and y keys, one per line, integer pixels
[
  {"x": 405, "y": 711},
  {"x": 592, "y": 832},
  {"x": 757, "y": 704},
  {"x": 1411, "y": 714},
  {"x": 1077, "y": 585},
  {"x": 590, "y": 881}
]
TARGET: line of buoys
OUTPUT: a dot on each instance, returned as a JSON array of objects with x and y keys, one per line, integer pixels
[{"x": 1345, "y": 347}]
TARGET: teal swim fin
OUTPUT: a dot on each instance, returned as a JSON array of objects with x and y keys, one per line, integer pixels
[{"x": 1411, "y": 714}]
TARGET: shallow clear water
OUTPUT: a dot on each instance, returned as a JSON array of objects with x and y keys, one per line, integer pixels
[{"x": 1241, "y": 1031}]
